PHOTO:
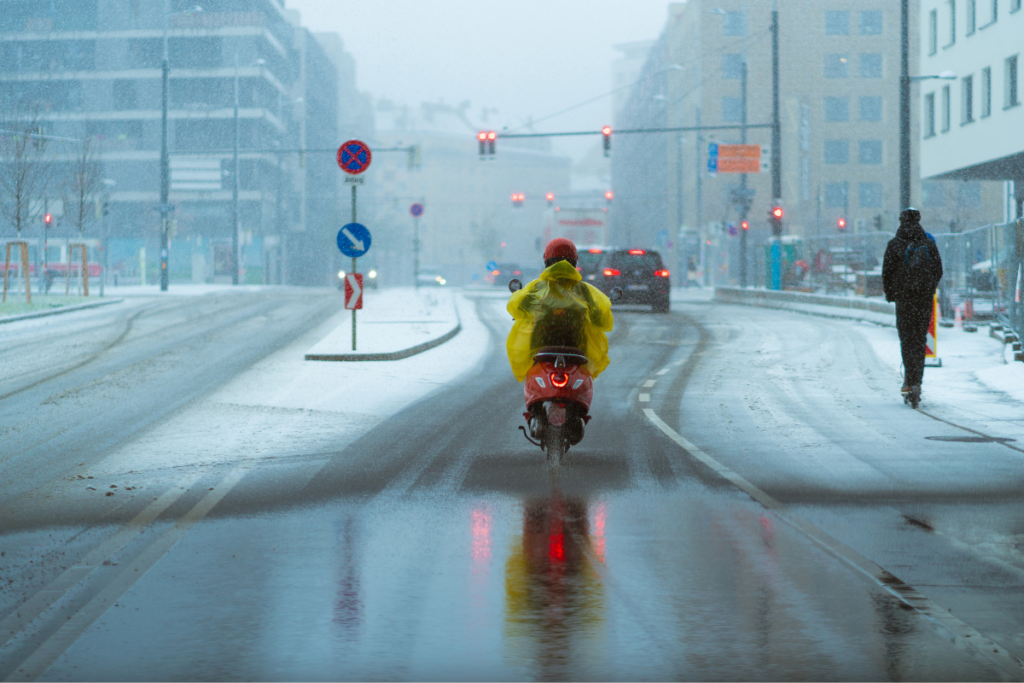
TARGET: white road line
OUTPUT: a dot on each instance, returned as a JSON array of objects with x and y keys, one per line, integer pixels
[
  {"x": 964, "y": 634},
  {"x": 28, "y": 612},
  {"x": 650, "y": 383},
  {"x": 53, "y": 647},
  {"x": 645, "y": 398},
  {"x": 662, "y": 372}
]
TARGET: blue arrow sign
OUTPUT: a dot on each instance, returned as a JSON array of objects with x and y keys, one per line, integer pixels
[
  {"x": 491, "y": 265},
  {"x": 712, "y": 164},
  {"x": 713, "y": 149},
  {"x": 354, "y": 240}
]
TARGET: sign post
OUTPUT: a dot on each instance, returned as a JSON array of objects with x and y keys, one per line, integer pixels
[
  {"x": 354, "y": 158},
  {"x": 416, "y": 210}
]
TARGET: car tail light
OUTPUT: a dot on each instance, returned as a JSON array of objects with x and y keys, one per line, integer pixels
[
  {"x": 611, "y": 272},
  {"x": 661, "y": 273},
  {"x": 559, "y": 379},
  {"x": 595, "y": 251},
  {"x": 637, "y": 252}
]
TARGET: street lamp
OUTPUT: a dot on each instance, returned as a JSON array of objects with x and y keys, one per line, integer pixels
[
  {"x": 236, "y": 260},
  {"x": 165, "y": 164},
  {"x": 108, "y": 187}
]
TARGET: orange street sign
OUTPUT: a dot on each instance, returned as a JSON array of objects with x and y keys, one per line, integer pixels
[
  {"x": 739, "y": 165},
  {"x": 738, "y": 151}
]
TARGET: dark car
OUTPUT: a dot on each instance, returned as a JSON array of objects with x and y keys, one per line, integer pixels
[
  {"x": 589, "y": 260},
  {"x": 639, "y": 273}
]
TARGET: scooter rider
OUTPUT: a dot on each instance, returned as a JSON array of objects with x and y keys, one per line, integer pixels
[{"x": 559, "y": 309}]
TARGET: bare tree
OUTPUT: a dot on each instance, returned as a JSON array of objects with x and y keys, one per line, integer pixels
[
  {"x": 82, "y": 184},
  {"x": 26, "y": 167}
]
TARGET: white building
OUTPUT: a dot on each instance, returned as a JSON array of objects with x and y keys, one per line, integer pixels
[{"x": 973, "y": 126}]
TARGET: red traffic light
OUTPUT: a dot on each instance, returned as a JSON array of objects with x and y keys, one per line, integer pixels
[
  {"x": 609, "y": 195},
  {"x": 481, "y": 136},
  {"x": 492, "y": 135},
  {"x": 745, "y": 225},
  {"x": 518, "y": 197},
  {"x": 48, "y": 218},
  {"x": 777, "y": 212},
  {"x": 607, "y": 130},
  {"x": 841, "y": 224},
  {"x": 550, "y": 196}
]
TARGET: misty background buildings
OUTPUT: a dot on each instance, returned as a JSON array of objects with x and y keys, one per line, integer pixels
[{"x": 91, "y": 69}]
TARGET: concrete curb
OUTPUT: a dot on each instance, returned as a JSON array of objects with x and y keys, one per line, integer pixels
[
  {"x": 393, "y": 355},
  {"x": 847, "y": 308},
  {"x": 55, "y": 311}
]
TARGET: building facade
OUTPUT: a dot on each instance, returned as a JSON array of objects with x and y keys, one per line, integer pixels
[{"x": 92, "y": 68}]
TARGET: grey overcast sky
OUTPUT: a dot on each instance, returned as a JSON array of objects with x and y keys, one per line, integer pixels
[{"x": 523, "y": 58}]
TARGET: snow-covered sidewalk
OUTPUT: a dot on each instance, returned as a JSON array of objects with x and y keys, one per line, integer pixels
[{"x": 394, "y": 323}]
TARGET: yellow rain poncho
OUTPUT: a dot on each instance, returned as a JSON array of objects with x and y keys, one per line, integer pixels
[{"x": 558, "y": 309}]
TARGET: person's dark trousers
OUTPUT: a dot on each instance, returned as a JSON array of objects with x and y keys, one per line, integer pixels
[{"x": 912, "y": 318}]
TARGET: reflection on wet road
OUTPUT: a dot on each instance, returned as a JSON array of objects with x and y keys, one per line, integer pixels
[{"x": 440, "y": 547}]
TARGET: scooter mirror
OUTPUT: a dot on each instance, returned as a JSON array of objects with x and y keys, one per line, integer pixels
[
  {"x": 615, "y": 295},
  {"x": 514, "y": 285}
]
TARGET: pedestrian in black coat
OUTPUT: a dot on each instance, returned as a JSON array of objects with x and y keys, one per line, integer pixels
[{"x": 911, "y": 271}]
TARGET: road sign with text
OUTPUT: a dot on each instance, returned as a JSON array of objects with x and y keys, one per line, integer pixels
[
  {"x": 734, "y": 158},
  {"x": 353, "y": 291}
]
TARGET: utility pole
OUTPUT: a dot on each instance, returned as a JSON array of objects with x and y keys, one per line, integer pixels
[
  {"x": 905, "y": 104},
  {"x": 165, "y": 164},
  {"x": 235, "y": 260},
  {"x": 776, "y": 124},
  {"x": 700, "y": 201},
  {"x": 745, "y": 202}
]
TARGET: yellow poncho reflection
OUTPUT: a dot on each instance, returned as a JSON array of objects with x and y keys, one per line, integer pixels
[{"x": 559, "y": 309}]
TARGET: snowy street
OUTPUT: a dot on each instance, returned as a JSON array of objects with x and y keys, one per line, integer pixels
[{"x": 185, "y": 497}]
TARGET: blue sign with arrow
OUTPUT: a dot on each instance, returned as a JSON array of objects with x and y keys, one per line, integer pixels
[
  {"x": 491, "y": 265},
  {"x": 354, "y": 240}
]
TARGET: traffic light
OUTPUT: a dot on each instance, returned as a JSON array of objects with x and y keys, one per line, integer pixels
[
  {"x": 550, "y": 196},
  {"x": 609, "y": 196},
  {"x": 841, "y": 224},
  {"x": 878, "y": 222},
  {"x": 775, "y": 219},
  {"x": 482, "y": 137},
  {"x": 48, "y": 219},
  {"x": 607, "y": 133},
  {"x": 491, "y": 137},
  {"x": 517, "y": 199},
  {"x": 745, "y": 225}
]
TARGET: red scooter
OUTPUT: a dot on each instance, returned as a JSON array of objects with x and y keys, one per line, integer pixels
[{"x": 558, "y": 390}]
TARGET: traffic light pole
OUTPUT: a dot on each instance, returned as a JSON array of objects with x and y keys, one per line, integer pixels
[
  {"x": 776, "y": 247},
  {"x": 905, "y": 105},
  {"x": 165, "y": 168},
  {"x": 743, "y": 177}
]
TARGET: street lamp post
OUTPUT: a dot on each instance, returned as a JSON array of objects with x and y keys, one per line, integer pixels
[{"x": 236, "y": 258}]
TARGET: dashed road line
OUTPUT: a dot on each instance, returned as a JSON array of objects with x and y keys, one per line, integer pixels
[
  {"x": 661, "y": 372},
  {"x": 650, "y": 383},
  {"x": 964, "y": 634},
  {"x": 645, "y": 398},
  {"x": 53, "y": 647}
]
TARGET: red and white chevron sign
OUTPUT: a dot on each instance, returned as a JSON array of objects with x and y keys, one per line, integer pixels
[{"x": 353, "y": 291}]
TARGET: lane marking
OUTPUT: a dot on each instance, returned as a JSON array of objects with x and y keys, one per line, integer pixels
[
  {"x": 964, "y": 634},
  {"x": 661, "y": 372},
  {"x": 30, "y": 610},
  {"x": 32, "y": 667},
  {"x": 645, "y": 398},
  {"x": 650, "y": 383}
]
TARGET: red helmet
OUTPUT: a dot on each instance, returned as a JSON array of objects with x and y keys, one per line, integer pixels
[{"x": 560, "y": 248}]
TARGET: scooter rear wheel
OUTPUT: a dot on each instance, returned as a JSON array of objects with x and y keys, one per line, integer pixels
[{"x": 554, "y": 445}]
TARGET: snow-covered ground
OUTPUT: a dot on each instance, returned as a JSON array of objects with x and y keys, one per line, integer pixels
[
  {"x": 393, "y": 320},
  {"x": 285, "y": 407}
]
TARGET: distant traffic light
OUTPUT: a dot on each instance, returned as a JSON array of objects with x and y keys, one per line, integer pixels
[
  {"x": 775, "y": 219},
  {"x": 482, "y": 137},
  {"x": 550, "y": 196},
  {"x": 491, "y": 137},
  {"x": 48, "y": 219},
  {"x": 607, "y": 133},
  {"x": 745, "y": 225},
  {"x": 841, "y": 224},
  {"x": 609, "y": 196},
  {"x": 517, "y": 199}
]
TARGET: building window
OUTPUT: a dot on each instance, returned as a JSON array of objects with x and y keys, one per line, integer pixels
[
  {"x": 869, "y": 152},
  {"x": 837, "y": 152},
  {"x": 732, "y": 66},
  {"x": 732, "y": 109},
  {"x": 871, "y": 23},
  {"x": 837, "y": 108},
  {"x": 870, "y": 195},
  {"x": 835, "y": 195},
  {"x": 966, "y": 100},
  {"x": 837, "y": 66},
  {"x": 870, "y": 109},
  {"x": 1014, "y": 5},
  {"x": 837, "y": 23},
  {"x": 929, "y": 115},
  {"x": 971, "y": 20},
  {"x": 993, "y": 6},
  {"x": 734, "y": 24},
  {"x": 871, "y": 65},
  {"x": 124, "y": 95},
  {"x": 986, "y": 92},
  {"x": 1010, "y": 96},
  {"x": 933, "y": 32},
  {"x": 945, "y": 109},
  {"x": 951, "y": 8}
]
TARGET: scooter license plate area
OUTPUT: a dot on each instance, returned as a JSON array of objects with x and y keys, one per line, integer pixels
[{"x": 556, "y": 414}]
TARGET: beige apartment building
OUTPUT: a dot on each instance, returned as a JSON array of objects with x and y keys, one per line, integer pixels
[{"x": 839, "y": 64}]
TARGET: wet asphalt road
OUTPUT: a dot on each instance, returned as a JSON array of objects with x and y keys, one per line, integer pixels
[{"x": 731, "y": 514}]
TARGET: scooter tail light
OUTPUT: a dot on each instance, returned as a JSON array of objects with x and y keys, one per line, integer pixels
[{"x": 559, "y": 379}]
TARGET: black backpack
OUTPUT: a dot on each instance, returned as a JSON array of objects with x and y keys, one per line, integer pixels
[{"x": 917, "y": 266}]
